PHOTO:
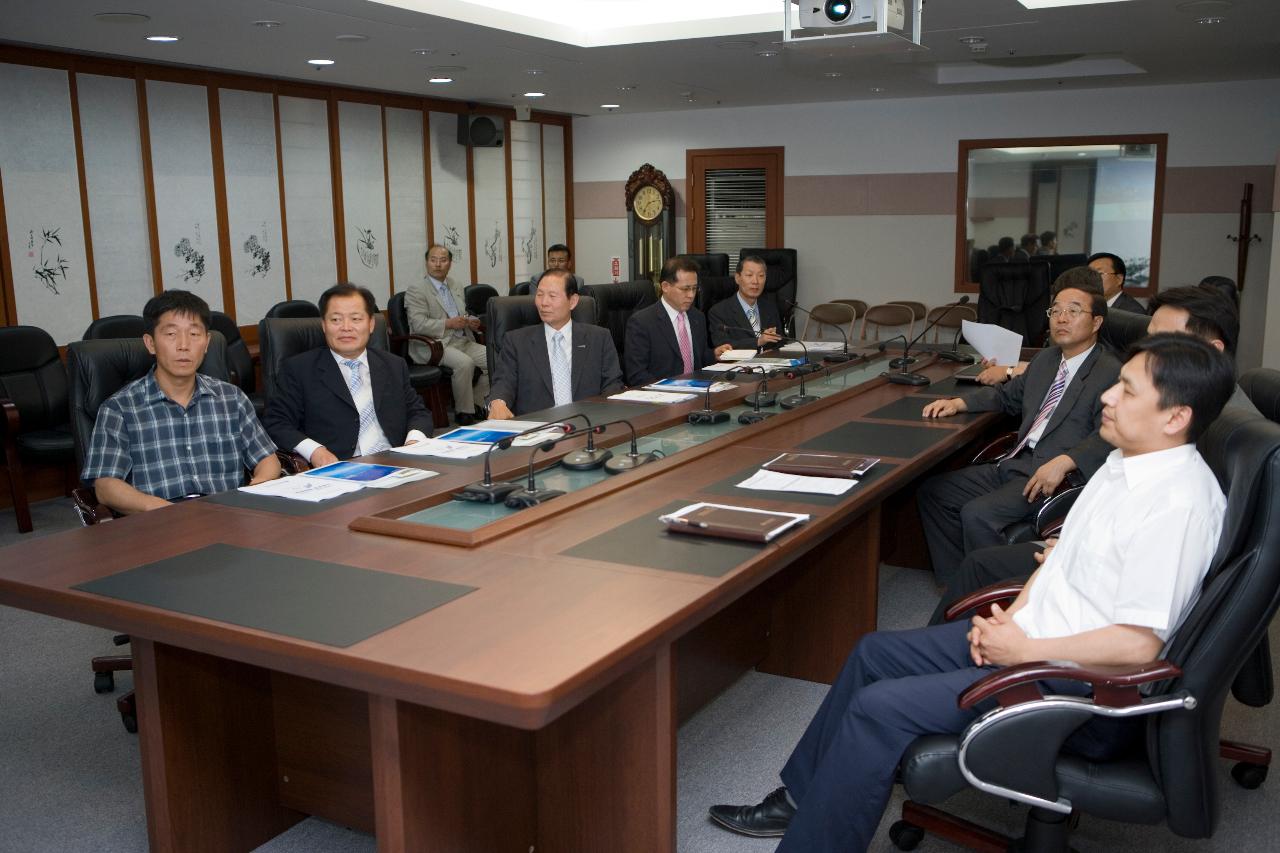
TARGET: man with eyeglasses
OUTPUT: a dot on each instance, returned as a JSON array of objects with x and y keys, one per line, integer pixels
[
  {"x": 669, "y": 338},
  {"x": 1111, "y": 268},
  {"x": 1058, "y": 400}
]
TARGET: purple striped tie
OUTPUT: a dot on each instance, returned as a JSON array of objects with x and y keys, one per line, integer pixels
[{"x": 1046, "y": 408}]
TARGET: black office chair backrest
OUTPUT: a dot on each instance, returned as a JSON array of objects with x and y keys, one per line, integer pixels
[
  {"x": 100, "y": 368},
  {"x": 281, "y": 338},
  {"x": 115, "y": 326},
  {"x": 1121, "y": 329},
  {"x": 1058, "y": 264},
  {"x": 521, "y": 289},
  {"x": 477, "y": 296},
  {"x": 781, "y": 282},
  {"x": 239, "y": 360},
  {"x": 714, "y": 288},
  {"x": 1015, "y": 295},
  {"x": 397, "y": 315},
  {"x": 1262, "y": 386},
  {"x": 508, "y": 313},
  {"x": 715, "y": 263},
  {"x": 615, "y": 303},
  {"x": 33, "y": 377},
  {"x": 294, "y": 308}
]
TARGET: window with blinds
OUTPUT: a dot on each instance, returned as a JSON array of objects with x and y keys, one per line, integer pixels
[{"x": 735, "y": 210}]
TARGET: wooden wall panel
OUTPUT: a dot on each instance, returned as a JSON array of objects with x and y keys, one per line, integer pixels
[
  {"x": 529, "y": 234},
  {"x": 308, "y": 189},
  {"x": 364, "y": 198},
  {"x": 450, "y": 211},
  {"x": 406, "y": 173},
  {"x": 493, "y": 258},
  {"x": 41, "y": 193},
  {"x": 553, "y": 183}
]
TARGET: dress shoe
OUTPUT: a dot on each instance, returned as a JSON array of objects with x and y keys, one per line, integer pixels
[
  {"x": 768, "y": 819},
  {"x": 463, "y": 419}
]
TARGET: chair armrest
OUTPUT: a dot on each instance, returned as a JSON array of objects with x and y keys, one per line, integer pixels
[
  {"x": 292, "y": 462},
  {"x": 1053, "y": 512},
  {"x": 437, "y": 348},
  {"x": 984, "y": 598},
  {"x": 1113, "y": 686},
  {"x": 91, "y": 512},
  {"x": 11, "y": 423},
  {"x": 996, "y": 450}
]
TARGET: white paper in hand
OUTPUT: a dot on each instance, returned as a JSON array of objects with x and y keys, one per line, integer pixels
[{"x": 994, "y": 343}]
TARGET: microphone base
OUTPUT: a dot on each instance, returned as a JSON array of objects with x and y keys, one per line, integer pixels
[
  {"x": 708, "y": 416},
  {"x": 626, "y": 462},
  {"x": 906, "y": 378},
  {"x": 586, "y": 460},
  {"x": 903, "y": 361},
  {"x": 959, "y": 357},
  {"x": 762, "y": 398},
  {"x": 522, "y": 497},
  {"x": 747, "y": 418},
  {"x": 492, "y": 493},
  {"x": 838, "y": 357},
  {"x": 797, "y": 400}
]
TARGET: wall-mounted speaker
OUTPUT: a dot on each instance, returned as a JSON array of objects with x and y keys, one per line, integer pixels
[{"x": 479, "y": 131}]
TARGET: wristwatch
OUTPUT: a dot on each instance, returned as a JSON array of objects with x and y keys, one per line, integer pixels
[{"x": 1008, "y": 373}]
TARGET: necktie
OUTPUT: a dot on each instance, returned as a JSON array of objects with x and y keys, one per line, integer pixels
[
  {"x": 450, "y": 306},
  {"x": 561, "y": 376},
  {"x": 754, "y": 318},
  {"x": 1046, "y": 408},
  {"x": 686, "y": 346},
  {"x": 368, "y": 441}
]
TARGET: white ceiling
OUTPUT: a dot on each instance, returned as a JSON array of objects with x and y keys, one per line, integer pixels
[{"x": 1132, "y": 43}]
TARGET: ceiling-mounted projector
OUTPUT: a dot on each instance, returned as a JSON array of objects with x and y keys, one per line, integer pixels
[{"x": 866, "y": 14}]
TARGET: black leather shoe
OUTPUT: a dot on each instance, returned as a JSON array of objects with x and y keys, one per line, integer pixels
[
  {"x": 463, "y": 419},
  {"x": 768, "y": 819}
]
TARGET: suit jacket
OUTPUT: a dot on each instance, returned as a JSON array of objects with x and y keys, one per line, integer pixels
[
  {"x": 1125, "y": 302},
  {"x": 652, "y": 351},
  {"x": 312, "y": 400},
  {"x": 427, "y": 315},
  {"x": 1073, "y": 427},
  {"x": 728, "y": 312},
  {"x": 522, "y": 376}
]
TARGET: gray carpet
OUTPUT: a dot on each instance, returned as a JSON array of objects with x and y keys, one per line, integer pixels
[{"x": 70, "y": 780}]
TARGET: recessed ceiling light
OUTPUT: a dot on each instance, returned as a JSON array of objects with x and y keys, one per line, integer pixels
[
  {"x": 1211, "y": 19},
  {"x": 535, "y": 94},
  {"x": 972, "y": 40},
  {"x": 121, "y": 18},
  {"x": 627, "y": 88},
  {"x": 610, "y": 106},
  {"x": 533, "y": 72},
  {"x": 832, "y": 74},
  {"x": 440, "y": 80},
  {"x": 767, "y": 53},
  {"x": 319, "y": 63},
  {"x": 164, "y": 39},
  {"x": 268, "y": 25},
  {"x": 424, "y": 51},
  {"x": 877, "y": 89},
  {"x": 351, "y": 37}
]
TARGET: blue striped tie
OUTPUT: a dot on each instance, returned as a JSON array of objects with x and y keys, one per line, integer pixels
[
  {"x": 561, "y": 376},
  {"x": 368, "y": 417},
  {"x": 1046, "y": 408}
]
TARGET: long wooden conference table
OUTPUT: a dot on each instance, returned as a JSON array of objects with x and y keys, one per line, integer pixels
[{"x": 505, "y": 683}]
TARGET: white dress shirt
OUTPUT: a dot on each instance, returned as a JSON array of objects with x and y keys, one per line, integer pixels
[
  {"x": 674, "y": 316},
  {"x": 1134, "y": 549},
  {"x": 567, "y": 331},
  {"x": 1073, "y": 365},
  {"x": 308, "y": 445}
]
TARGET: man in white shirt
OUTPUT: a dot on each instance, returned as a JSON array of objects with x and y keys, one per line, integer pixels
[
  {"x": 437, "y": 308},
  {"x": 1132, "y": 556}
]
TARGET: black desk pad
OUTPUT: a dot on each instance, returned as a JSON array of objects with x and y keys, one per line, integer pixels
[
  {"x": 645, "y": 542},
  {"x": 871, "y": 439},
  {"x": 283, "y": 506},
  {"x": 296, "y": 597},
  {"x": 909, "y": 408},
  {"x": 729, "y": 488},
  {"x": 599, "y": 411},
  {"x": 948, "y": 387}
]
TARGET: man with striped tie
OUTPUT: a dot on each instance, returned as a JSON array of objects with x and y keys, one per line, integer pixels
[
  {"x": 1058, "y": 401},
  {"x": 745, "y": 320},
  {"x": 345, "y": 399}
]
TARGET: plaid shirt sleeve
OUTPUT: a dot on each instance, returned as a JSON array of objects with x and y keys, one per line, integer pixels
[
  {"x": 108, "y": 454},
  {"x": 255, "y": 445}
]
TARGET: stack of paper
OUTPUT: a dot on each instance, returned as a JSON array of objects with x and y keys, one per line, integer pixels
[
  {"x": 636, "y": 396},
  {"x": 771, "y": 481},
  {"x": 310, "y": 489},
  {"x": 814, "y": 346},
  {"x": 686, "y": 385},
  {"x": 442, "y": 449}
]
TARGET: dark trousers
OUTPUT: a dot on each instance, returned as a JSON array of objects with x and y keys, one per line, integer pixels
[
  {"x": 962, "y": 511},
  {"x": 985, "y": 567}
]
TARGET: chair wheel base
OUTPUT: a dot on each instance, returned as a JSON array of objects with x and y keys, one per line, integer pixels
[
  {"x": 905, "y": 836},
  {"x": 1249, "y": 776},
  {"x": 103, "y": 682}
]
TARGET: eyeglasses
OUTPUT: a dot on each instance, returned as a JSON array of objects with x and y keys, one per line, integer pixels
[
  {"x": 693, "y": 289},
  {"x": 1071, "y": 311}
]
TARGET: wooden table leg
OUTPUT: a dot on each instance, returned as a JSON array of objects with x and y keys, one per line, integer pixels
[
  {"x": 601, "y": 777},
  {"x": 208, "y": 751}
]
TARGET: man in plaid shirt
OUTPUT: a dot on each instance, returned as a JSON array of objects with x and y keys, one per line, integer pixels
[{"x": 175, "y": 432}]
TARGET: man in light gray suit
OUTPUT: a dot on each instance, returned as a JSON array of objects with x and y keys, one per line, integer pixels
[
  {"x": 1059, "y": 401},
  {"x": 555, "y": 362},
  {"x": 437, "y": 309}
]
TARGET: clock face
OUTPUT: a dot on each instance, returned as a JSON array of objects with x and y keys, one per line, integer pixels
[{"x": 647, "y": 203}]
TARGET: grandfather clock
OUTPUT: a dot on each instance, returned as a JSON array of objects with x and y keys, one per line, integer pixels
[{"x": 651, "y": 222}]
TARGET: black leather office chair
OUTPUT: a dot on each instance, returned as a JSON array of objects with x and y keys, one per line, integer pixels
[
  {"x": 293, "y": 308},
  {"x": 1121, "y": 329},
  {"x": 280, "y": 338},
  {"x": 1262, "y": 386},
  {"x": 715, "y": 288},
  {"x": 1015, "y": 751},
  {"x": 431, "y": 380},
  {"x": 115, "y": 326},
  {"x": 239, "y": 360},
  {"x": 615, "y": 303},
  {"x": 780, "y": 278},
  {"x": 713, "y": 264},
  {"x": 98, "y": 369},
  {"x": 521, "y": 289},
  {"x": 33, "y": 397},
  {"x": 476, "y": 297},
  {"x": 1058, "y": 264},
  {"x": 508, "y": 313},
  {"x": 1015, "y": 295}
]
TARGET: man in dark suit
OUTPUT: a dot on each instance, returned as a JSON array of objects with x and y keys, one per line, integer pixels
[
  {"x": 346, "y": 399},
  {"x": 670, "y": 336},
  {"x": 555, "y": 362},
  {"x": 745, "y": 320},
  {"x": 1111, "y": 268},
  {"x": 1058, "y": 400}
]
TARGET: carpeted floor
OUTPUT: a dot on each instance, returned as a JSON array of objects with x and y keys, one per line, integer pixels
[{"x": 70, "y": 779}]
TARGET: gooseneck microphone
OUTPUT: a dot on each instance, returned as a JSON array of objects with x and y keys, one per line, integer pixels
[
  {"x": 633, "y": 458},
  {"x": 757, "y": 400},
  {"x": 589, "y": 457},
  {"x": 954, "y": 353},
  {"x": 910, "y": 378},
  {"x": 802, "y": 398},
  {"x": 529, "y": 494},
  {"x": 708, "y": 415},
  {"x": 726, "y": 328},
  {"x": 487, "y": 491},
  {"x": 833, "y": 357}
]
